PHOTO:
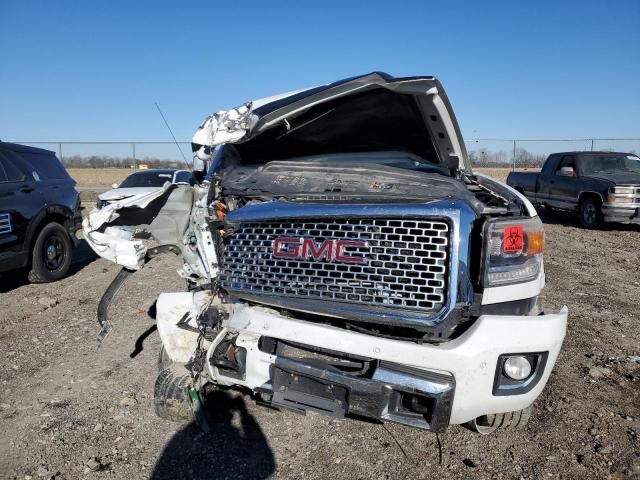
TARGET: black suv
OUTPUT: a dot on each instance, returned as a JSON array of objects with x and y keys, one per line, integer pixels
[{"x": 39, "y": 213}]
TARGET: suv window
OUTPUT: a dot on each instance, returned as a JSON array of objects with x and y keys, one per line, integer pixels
[
  {"x": 46, "y": 165},
  {"x": 567, "y": 161},
  {"x": 11, "y": 172}
]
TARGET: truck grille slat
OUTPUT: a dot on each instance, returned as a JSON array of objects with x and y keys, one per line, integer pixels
[
  {"x": 404, "y": 264},
  {"x": 5, "y": 223}
]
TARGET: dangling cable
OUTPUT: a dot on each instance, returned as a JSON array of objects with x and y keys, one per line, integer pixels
[{"x": 397, "y": 442}]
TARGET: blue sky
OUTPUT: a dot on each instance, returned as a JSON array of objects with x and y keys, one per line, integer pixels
[{"x": 92, "y": 70}]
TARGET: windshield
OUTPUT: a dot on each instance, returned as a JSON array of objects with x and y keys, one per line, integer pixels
[
  {"x": 610, "y": 164},
  {"x": 146, "y": 179}
]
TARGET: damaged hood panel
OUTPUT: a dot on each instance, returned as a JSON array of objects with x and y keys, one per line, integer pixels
[
  {"x": 117, "y": 244},
  {"x": 369, "y": 113},
  {"x": 122, "y": 193}
]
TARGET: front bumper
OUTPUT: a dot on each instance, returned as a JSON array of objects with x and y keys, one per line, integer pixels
[
  {"x": 620, "y": 214},
  {"x": 457, "y": 377}
]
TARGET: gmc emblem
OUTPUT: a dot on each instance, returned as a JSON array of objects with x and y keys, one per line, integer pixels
[{"x": 329, "y": 250}]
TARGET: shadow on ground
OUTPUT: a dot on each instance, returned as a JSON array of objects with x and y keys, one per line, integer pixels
[
  {"x": 82, "y": 256},
  {"x": 235, "y": 449}
]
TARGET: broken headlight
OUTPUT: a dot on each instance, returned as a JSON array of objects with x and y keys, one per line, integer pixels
[{"x": 512, "y": 251}]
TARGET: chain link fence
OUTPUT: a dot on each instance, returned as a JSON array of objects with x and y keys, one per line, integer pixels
[
  {"x": 92, "y": 154},
  {"x": 531, "y": 153},
  {"x": 483, "y": 152}
]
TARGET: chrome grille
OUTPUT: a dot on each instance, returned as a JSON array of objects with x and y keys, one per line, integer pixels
[
  {"x": 5, "y": 223},
  {"x": 406, "y": 262}
]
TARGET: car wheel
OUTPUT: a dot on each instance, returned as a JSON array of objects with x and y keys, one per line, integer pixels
[
  {"x": 171, "y": 395},
  {"x": 51, "y": 255},
  {"x": 590, "y": 213},
  {"x": 487, "y": 424}
]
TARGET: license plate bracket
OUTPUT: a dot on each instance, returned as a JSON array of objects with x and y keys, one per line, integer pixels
[{"x": 298, "y": 392}]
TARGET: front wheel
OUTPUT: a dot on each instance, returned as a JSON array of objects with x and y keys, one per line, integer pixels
[
  {"x": 171, "y": 395},
  {"x": 590, "y": 213},
  {"x": 487, "y": 424},
  {"x": 51, "y": 255}
]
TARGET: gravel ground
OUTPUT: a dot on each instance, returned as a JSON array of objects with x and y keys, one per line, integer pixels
[{"x": 69, "y": 409}]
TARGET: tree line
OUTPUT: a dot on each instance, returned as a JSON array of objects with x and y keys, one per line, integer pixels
[
  {"x": 524, "y": 158},
  {"x": 479, "y": 158},
  {"x": 104, "y": 161}
]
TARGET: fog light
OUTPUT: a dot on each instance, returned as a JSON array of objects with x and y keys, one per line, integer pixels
[{"x": 517, "y": 368}]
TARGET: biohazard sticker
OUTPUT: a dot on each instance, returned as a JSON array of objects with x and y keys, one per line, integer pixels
[{"x": 513, "y": 239}]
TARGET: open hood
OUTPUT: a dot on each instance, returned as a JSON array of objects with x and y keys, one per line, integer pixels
[{"x": 370, "y": 113}]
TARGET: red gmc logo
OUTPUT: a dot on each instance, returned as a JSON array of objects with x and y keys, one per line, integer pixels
[{"x": 329, "y": 250}]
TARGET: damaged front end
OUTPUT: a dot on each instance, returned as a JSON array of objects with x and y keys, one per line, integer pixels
[
  {"x": 333, "y": 258},
  {"x": 133, "y": 230}
]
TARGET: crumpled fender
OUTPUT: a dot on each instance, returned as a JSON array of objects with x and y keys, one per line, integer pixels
[
  {"x": 116, "y": 244},
  {"x": 225, "y": 126}
]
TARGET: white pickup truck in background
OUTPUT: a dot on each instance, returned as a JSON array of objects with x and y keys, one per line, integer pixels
[{"x": 342, "y": 257}]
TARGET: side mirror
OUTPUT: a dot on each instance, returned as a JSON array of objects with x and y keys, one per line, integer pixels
[
  {"x": 114, "y": 185},
  {"x": 566, "y": 172}
]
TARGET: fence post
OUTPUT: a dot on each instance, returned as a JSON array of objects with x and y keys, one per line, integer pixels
[
  {"x": 133, "y": 146},
  {"x": 514, "y": 155}
]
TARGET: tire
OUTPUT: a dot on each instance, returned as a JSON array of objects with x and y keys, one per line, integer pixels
[
  {"x": 487, "y": 424},
  {"x": 171, "y": 396},
  {"x": 590, "y": 213},
  {"x": 51, "y": 254}
]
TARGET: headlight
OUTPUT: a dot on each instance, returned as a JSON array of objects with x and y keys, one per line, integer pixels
[
  {"x": 623, "y": 190},
  {"x": 512, "y": 251},
  {"x": 621, "y": 195}
]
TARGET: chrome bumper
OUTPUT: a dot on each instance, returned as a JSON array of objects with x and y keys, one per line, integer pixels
[
  {"x": 621, "y": 214},
  {"x": 470, "y": 361}
]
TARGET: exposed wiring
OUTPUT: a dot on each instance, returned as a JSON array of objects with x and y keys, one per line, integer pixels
[{"x": 397, "y": 442}]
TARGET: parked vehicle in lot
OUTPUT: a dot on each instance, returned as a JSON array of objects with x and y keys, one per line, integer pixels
[
  {"x": 145, "y": 181},
  {"x": 342, "y": 257},
  {"x": 39, "y": 213},
  {"x": 599, "y": 186}
]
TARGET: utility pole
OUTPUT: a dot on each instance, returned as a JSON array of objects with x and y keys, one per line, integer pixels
[
  {"x": 133, "y": 146},
  {"x": 514, "y": 155}
]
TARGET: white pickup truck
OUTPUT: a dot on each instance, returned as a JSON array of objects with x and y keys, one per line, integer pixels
[{"x": 342, "y": 257}]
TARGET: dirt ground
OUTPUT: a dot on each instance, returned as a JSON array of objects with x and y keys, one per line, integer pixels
[
  {"x": 99, "y": 177},
  {"x": 71, "y": 409}
]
